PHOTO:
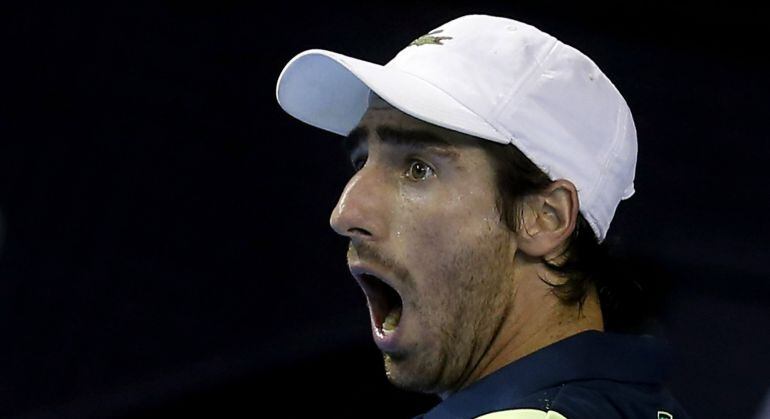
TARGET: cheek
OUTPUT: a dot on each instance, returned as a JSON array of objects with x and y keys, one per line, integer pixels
[
  {"x": 425, "y": 230},
  {"x": 432, "y": 222},
  {"x": 438, "y": 233}
]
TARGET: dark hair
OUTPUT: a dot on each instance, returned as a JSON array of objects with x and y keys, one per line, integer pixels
[{"x": 585, "y": 263}]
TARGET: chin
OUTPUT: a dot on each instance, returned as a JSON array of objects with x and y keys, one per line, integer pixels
[{"x": 408, "y": 377}]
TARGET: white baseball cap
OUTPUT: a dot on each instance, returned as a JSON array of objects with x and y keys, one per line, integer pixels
[{"x": 493, "y": 78}]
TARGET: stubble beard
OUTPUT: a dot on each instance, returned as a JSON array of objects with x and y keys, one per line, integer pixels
[{"x": 460, "y": 324}]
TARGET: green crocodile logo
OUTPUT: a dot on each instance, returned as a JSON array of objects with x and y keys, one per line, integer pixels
[{"x": 430, "y": 39}]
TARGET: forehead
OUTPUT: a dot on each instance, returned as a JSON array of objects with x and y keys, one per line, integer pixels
[{"x": 382, "y": 118}]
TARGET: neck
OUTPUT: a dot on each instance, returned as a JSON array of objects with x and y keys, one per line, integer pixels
[{"x": 535, "y": 319}]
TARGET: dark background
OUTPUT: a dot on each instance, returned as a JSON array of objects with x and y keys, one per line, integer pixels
[{"x": 166, "y": 242}]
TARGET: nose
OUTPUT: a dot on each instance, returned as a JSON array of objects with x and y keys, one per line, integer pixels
[{"x": 360, "y": 212}]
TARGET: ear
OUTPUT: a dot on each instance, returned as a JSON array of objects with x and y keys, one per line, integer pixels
[{"x": 548, "y": 218}]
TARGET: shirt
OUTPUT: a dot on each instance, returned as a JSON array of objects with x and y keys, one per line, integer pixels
[{"x": 591, "y": 374}]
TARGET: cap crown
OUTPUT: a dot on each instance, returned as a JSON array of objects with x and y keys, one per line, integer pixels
[{"x": 541, "y": 95}]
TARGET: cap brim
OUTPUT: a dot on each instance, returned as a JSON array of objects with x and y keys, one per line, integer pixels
[{"x": 331, "y": 91}]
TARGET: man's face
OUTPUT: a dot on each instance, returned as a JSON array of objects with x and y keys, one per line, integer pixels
[{"x": 427, "y": 246}]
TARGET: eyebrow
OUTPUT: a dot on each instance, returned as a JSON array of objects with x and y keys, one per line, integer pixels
[{"x": 413, "y": 138}]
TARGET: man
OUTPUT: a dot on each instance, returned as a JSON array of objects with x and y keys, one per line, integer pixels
[{"x": 490, "y": 159}]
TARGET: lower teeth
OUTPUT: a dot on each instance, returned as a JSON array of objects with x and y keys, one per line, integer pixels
[{"x": 392, "y": 319}]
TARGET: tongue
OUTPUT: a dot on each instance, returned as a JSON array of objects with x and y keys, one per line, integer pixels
[{"x": 391, "y": 320}]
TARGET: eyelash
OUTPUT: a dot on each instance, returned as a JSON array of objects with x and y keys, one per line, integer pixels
[{"x": 359, "y": 163}]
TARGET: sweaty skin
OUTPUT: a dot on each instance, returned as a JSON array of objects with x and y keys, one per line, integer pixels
[{"x": 426, "y": 218}]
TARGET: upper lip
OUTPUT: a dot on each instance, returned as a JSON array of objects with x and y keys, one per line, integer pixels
[{"x": 358, "y": 269}]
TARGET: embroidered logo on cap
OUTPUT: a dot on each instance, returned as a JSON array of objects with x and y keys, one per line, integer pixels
[
  {"x": 430, "y": 39},
  {"x": 665, "y": 415}
]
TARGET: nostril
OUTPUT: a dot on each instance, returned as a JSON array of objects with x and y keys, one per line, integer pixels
[{"x": 359, "y": 231}]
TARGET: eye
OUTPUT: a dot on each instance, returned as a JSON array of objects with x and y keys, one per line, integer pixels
[{"x": 419, "y": 170}]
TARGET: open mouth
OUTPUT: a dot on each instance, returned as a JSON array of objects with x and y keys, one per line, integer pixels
[{"x": 384, "y": 302}]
